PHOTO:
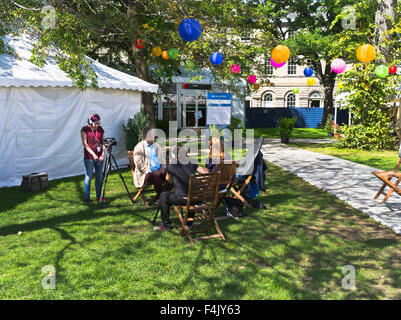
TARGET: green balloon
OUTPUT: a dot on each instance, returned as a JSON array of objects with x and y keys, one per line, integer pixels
[
  {"x": 382, "y": 71},
  {"x": 295, "y": 90},
  {"x": 190, "y": 65},
  {"x": 173, "y": 53}
]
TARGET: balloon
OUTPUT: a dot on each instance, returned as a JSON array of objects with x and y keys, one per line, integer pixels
[
  {"x": 338, "y": 66},
  {"x": 190, "y": 65},
  {"x": 157, "y": 51},
  {"x": 139, "y": 43},
  {"x": 381, "y": 71},
  {"x": 366, "y": 53},
  {"x": 275, "y": 64},
  {"x": 393, "y": 70},
  {"x": 172, "y": 53},
  {"x": 341, "y": 85},
  {"x": 216, "y": 58},
  {"x": 281, "y": 54},
  {"x": 235, "y": 68},
  {"x": 165, "y": 55},
  {"x": 185, "y": 85},
  {"x": 308, "y": 72},
  {"x": 252, "y": 79},
  {"x": 190, "y": 30},
  {"x": 295, "y": 90},
  {"x": 256, "y": 86},
  {"x": 311, "y": 81}
]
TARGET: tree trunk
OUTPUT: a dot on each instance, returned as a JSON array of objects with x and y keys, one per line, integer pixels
[
  {"x": 384, "y": 19},
  {"x": 139, "y": 59},
  {"x": 327, "y": 82}
]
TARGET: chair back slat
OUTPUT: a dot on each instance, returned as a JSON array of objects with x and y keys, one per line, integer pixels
[
  {"x": 227, "y": 171},
  {"x": 203, "y": 187}
]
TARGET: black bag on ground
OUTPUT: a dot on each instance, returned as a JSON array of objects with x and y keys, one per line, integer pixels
[
  {"x": 233, "y": 207},
  {"x": 34, "y": 182}
]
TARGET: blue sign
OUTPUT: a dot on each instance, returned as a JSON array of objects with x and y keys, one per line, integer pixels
[{"x": 218, "y": 110}]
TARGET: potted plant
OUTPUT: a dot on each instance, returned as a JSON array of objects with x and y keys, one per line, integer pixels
[
  {"x": 286, "y": 126},
  {"x": 132, "y": 131},
  {"x": 336, "y": 130}
]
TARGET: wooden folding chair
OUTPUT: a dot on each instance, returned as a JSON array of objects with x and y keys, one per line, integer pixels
[
  {"x": 237, "y": 191},
  {"x": 145, "y": 188},
  {"x": 227, "y": 176},
  {"x": 201, "y": 202},
  {"x": 386, "y": 177}
]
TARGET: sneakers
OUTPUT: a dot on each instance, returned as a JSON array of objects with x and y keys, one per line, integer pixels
[
  {"x": 101, "y": 199},
  {"x": 161, "y": 227}
]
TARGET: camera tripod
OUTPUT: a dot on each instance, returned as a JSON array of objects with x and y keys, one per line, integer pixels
[{"x": 106, "y": 172}]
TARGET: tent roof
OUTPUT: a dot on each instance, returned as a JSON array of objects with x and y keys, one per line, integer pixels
[{"x": 20, "y": 72}]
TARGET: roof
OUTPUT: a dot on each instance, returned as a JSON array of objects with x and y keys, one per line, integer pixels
[{"x": 20, "y": 72}]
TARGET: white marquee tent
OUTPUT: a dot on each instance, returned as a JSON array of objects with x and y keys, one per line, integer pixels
[{"x": 41, "y": 114}]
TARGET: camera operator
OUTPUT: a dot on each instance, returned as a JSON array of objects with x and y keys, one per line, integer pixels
[{"x": 92, "y": 137}]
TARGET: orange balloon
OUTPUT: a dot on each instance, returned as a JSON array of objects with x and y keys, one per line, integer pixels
[
  {"x": 157, "y": 51},
  {"x": 281, "y": 54},
  {"x": 366, "y": 53},
  {"x": 256, "y": 86},
  {"x": 165, "y": 55}
]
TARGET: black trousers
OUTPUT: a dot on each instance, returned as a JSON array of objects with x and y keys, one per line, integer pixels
[{"x": 166, "y": 200}]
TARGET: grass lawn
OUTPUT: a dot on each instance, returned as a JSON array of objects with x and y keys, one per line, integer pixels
[
  {"x": 298, "y": 133},
  {"x": 295, "y": 249},
  {"x": 383, "y": 160}
]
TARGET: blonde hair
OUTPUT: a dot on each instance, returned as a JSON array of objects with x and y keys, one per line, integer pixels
[{"x": 216, "y": 148}]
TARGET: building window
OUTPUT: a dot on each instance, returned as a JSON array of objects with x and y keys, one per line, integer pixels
[
  {"x": 292, "y": 67},
  {"x": 291, "y": 100},
  {"x": 268, "y": 100},
  {"x": 268, "y": 67}
]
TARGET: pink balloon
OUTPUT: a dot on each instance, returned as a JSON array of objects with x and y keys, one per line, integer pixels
[
  {"x": 252, "y": 79},
  {"x": 235, "y": 68},
  {"x": 338, "y": 66},
  {"x": 275, "y": 64}
]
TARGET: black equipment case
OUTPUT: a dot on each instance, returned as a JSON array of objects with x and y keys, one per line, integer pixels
[{"x": 35, "y": 182}]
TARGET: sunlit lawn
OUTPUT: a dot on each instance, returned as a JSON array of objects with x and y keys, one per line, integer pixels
[
  {"x": 383, "y": 160},
  {"x": 297, "y": 133},
  {"x": 294, "y": 249}
]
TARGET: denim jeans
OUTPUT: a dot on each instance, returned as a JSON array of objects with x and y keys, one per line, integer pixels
[{"x": 98, "y": 166}]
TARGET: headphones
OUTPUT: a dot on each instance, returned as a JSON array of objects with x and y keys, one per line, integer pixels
[{"x": 93, "y": 118}]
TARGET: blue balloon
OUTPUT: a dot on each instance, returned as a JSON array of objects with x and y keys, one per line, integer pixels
[
  {"x": 216, "y": 58},
  {"x": 190, "y": 29},
  {"x": 308, "y": 72}
]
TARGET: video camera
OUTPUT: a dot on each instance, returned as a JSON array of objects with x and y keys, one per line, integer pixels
[{"x": 110, "y": 142}]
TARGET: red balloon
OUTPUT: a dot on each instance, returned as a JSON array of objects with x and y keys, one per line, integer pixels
[
  {"x": 185, "y": 85},
  {"x": 139, "y": 43},
  {"x": 393, "y": 70}
]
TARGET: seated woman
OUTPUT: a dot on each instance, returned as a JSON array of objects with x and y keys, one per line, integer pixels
[
  {"x": 216, "y": 153},
  {"x": 179, "y": 174}
]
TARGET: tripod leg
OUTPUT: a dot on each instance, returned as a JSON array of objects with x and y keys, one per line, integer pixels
[
  {"x": 157, "y": 213},
  {"x": 106, "y": 171},
  {"x": 122, "y": 178}
]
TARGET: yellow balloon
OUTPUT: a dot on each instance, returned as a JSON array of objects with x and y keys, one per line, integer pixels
[
  {"x": 366, "y": 53},
  {"x": 341, "y": 85},
  {"x": 311, "y": 81},
  {"x": 165, "y": 55},
  {"x": 281, "y": 54},
  {"x": 157, "y": 51}
]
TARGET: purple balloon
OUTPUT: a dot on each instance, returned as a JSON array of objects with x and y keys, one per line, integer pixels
[{"x": 275, "y": 64}]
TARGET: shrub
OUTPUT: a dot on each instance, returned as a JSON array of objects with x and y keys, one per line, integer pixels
[
  {"x": 286, "y": 125},
  {"x": 134, "y": 128}
]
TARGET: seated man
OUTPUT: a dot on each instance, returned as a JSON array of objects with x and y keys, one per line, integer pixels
[
  {"x": 149, "y": 162},
  {"x": 179, "y": 174}
]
